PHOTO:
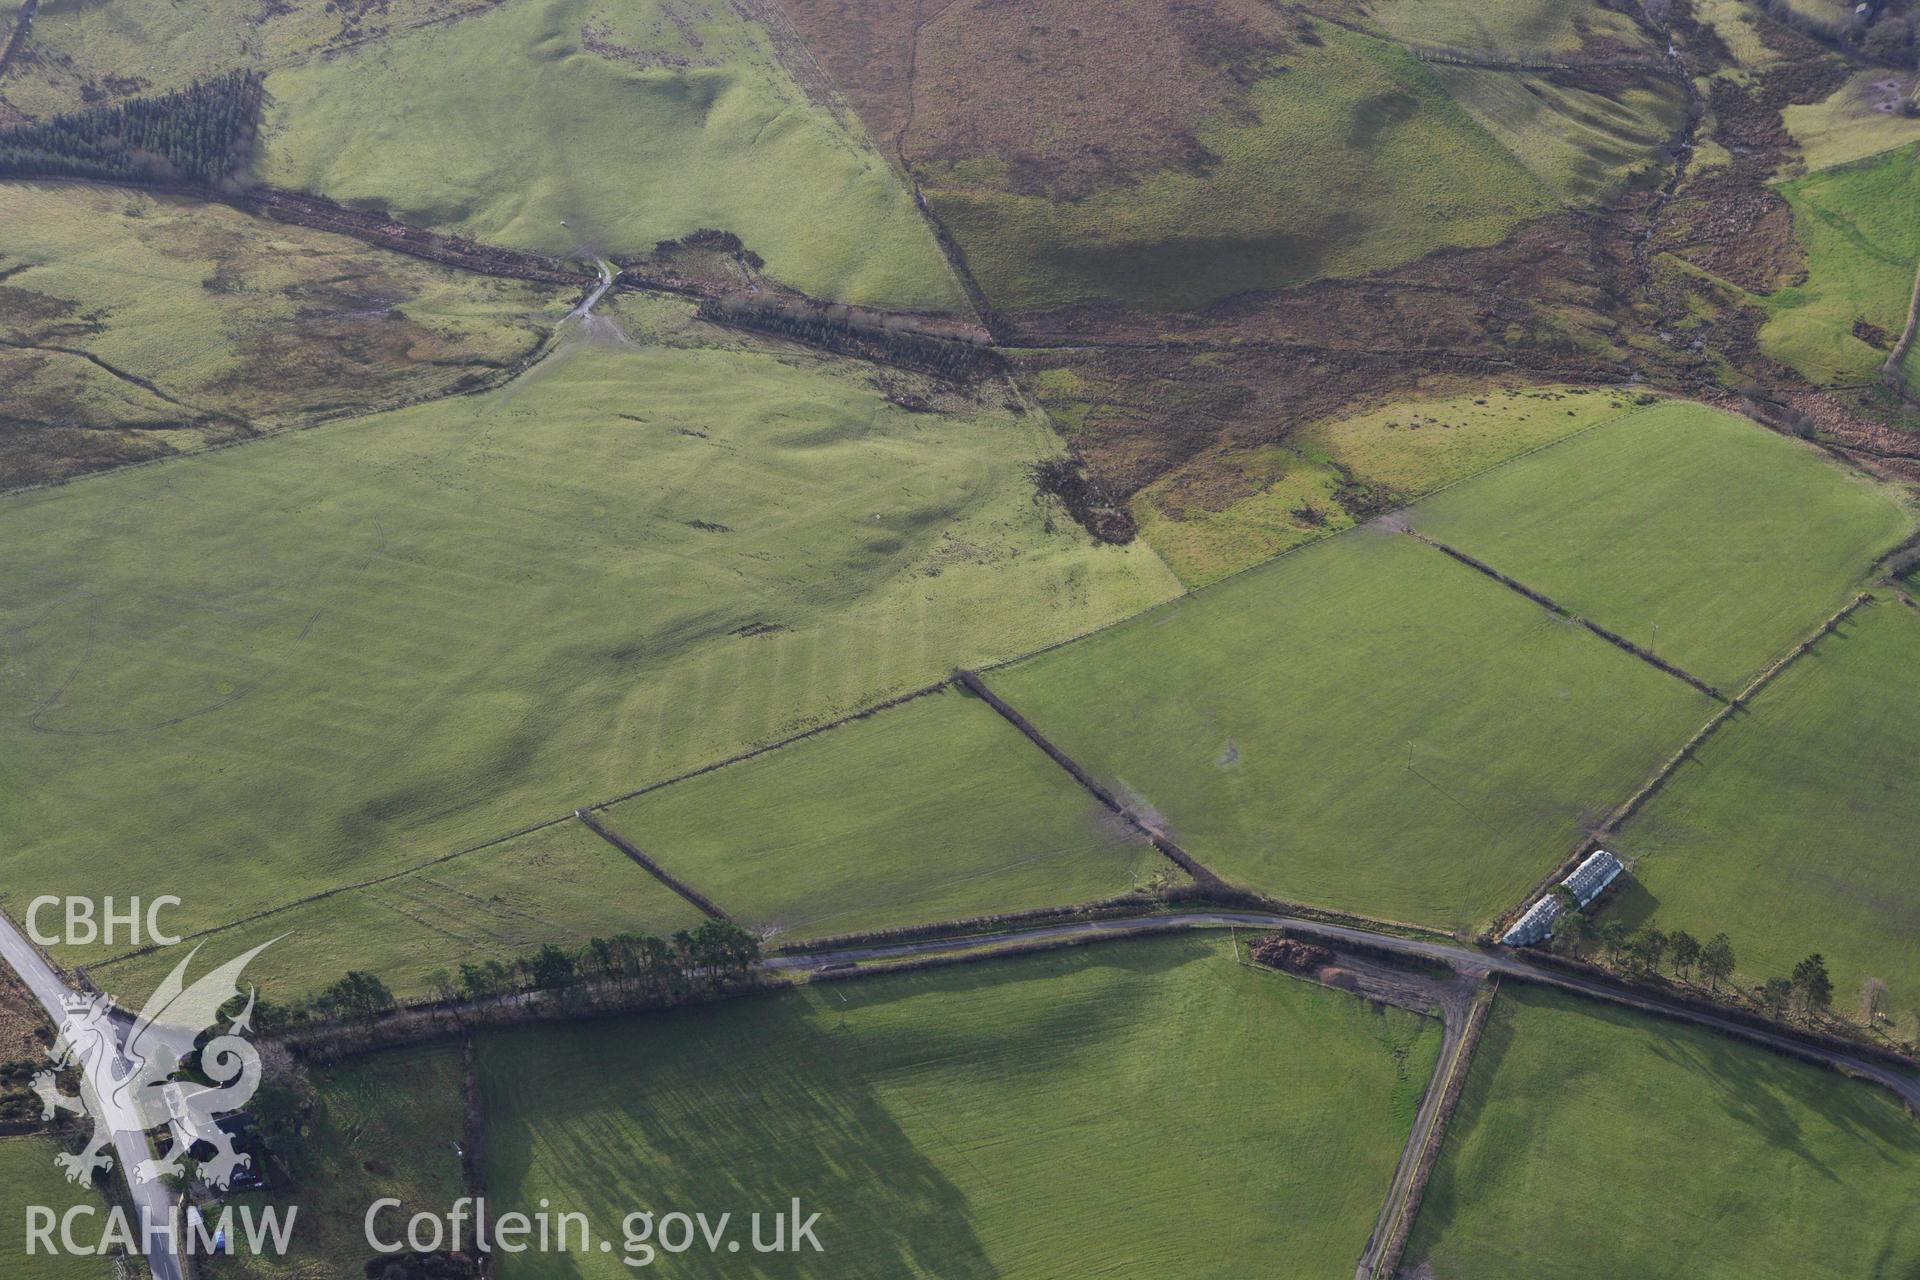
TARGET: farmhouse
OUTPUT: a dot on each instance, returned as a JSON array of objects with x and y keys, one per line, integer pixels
[{"x": 1593, "y": 875}]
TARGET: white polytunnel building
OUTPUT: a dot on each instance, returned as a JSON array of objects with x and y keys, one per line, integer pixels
[{"x": 1598, "y": 870}]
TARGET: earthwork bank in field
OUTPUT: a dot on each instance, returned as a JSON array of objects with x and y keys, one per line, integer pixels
[
  {"x": 931, "y": 811},
  {"x": 135, "y": 325},
  {"x": 335, "y": 655}
]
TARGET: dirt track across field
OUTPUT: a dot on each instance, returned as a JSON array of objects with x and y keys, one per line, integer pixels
[{"x": 1464, "y": 1020}]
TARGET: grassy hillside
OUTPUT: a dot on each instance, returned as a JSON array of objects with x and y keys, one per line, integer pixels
[
  {"x": 1591, "y": 1144},
  {"x": 80, "y": 53},
  {"x": 565, "y": 125},
  {"x": 1733, "y": 540},
  {"x": 1862, "y": 240},
  {"x": 1793, "y": 829},
  {"x": 1859, "y": 119},
  {"x": 28, "y": 1176},
  {"x": 1365, "y": 724},
  {"x": 563, "y": 885},
  {"x": 936, "y": 810},
  {"x": 1588, "y": 145},
  {"x": 1352, "y": 159},
  {"x": 1137, "y": 1108},
  {"x": 338, "y": 653},
  {"x": 1738, "y": 27},
  {"x": 210, "y": 324}
]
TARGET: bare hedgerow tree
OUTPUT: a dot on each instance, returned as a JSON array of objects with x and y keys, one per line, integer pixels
[
  {"x": 1716, "y": 961},
  {"x": 1649, "y": 947},
  {"x": 1812, "y": 985},
  {"x": 1873, "y": 1000},
  {"x": 1686, "y": 951}
]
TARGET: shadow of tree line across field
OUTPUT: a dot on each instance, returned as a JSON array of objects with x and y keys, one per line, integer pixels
[{"x": 808, "y": 1122}]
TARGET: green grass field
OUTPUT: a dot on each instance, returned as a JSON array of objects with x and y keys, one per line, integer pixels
[
  {"x": 565, "y": 125},
  {"x": 1862, "y": 242},
  {"x": 1793, "y": 827},
  {"x": 383, "y": 1125},
  {"x": 1307, "y": 487},
  {"x": 1594, "y": 1144},
  {"x": 936, "y": 810},
  {"x": 1270, "y": 721},
  {"x": 342, "y": 652},
  {"x": 1736, "y": 542},
  {"x": 1413, "y": 447},
  {"x": 563, "y": 885},
  {"x": 1910, "y": 368},
  {"x": 1138, "y": 1108},
  {"x": 1354, "y": 159},
  {"x": 28, "y": 1177}
]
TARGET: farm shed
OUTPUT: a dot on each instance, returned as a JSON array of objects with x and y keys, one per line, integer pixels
[{"x": 1598, "y": 870}]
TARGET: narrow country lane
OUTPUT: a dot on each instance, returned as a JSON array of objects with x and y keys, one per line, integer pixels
[
  {"x": 1905, "y": 1084},
  {"x": 585, "y": 309},
  {"x": 152, "y": 1201}
]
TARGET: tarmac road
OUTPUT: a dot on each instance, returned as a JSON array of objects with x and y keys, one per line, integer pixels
[
  {"x": 152, "y": 1201},
  {"x": 131, "y": 1147}
]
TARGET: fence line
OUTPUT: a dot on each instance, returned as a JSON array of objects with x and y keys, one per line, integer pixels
[
  {"x": 1646, "y": 790},
  {"x": 1159, "y": 839}
]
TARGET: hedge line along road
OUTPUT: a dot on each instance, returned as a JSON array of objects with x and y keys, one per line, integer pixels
[{"x": 1906, "y": 1084}]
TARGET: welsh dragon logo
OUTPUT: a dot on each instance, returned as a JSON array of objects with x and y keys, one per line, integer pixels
[{"x": 133, "y": 1086}]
